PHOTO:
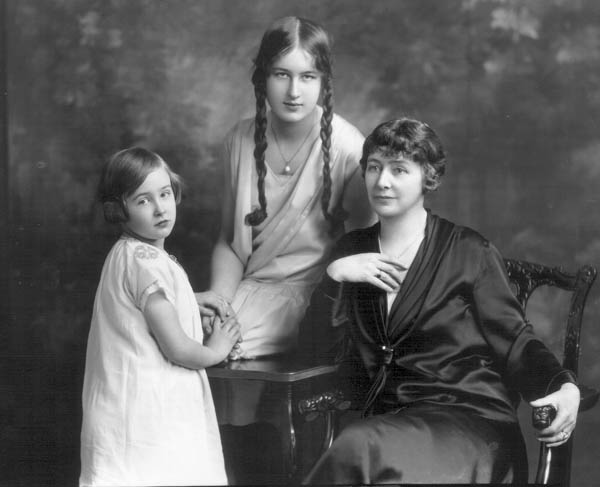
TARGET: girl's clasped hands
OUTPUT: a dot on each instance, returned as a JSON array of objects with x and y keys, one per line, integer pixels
[{"x": 219, "y": 322}]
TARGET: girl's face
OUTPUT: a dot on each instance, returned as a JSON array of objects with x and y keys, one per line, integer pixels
[
  {"x": 293, "y": 86},
  {"x": 152, "y": 208},
  {"x": 394, "y": 185}
]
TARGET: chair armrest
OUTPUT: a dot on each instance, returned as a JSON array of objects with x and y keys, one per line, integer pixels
[{"x": 544, "y": 415}]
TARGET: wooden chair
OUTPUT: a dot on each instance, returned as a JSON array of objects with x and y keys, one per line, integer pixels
[
  {"x": 307, "y": 391},
  {"x": 554, "y": 464}
]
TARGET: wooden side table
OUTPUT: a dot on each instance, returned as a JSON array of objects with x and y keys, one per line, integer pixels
[{"x": 293, "y": 385}]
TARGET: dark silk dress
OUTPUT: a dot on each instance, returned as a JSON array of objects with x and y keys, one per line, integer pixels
[{"x": 440, "y": 377}]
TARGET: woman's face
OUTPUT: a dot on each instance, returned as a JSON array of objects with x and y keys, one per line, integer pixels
[
  {"x": 394, "y": 185},
  {"x": 293, "y": 86},
  {"x": 152, "y": 208}
]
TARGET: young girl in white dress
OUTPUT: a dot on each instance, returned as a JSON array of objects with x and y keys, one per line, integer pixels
[{"x": 148, "y": 413}]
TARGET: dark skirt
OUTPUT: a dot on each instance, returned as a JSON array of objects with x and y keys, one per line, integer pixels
[{"x": 424, "y": 444}]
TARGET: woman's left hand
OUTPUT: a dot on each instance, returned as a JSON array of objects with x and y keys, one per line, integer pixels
[
  {"x": 212, "y": 304},
  {"x": 566, "y": 403}
]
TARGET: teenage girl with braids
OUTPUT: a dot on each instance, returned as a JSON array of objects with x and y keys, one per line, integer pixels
[
  {"x": 291, "y": 175},
  {"x": 292, "y": 186}
]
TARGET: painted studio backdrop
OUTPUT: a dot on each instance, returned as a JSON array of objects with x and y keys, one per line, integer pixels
[{"x": 512, "y": 87}]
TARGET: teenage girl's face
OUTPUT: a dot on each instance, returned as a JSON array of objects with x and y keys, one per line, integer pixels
[
  {"x": 152, "y": 208},
  {"x": 394, "y": 185},
  {"x": 293, "y": 86}
]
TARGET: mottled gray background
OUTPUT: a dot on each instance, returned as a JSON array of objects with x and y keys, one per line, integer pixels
[{"x": 512, "y": 87}]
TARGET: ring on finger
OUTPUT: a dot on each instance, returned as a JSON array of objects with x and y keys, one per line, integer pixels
[
  {"x": 564, "y": 435},
  {"x": 378, "y": 275}
]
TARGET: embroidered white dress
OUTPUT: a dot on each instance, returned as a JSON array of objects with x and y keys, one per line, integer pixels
[{"x": 146, "y": 421}]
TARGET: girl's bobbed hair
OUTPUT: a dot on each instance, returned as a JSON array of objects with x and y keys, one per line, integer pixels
[
  {"x": 123, "y": 174},
  {"x": 280, "y": 38},
  {"x": 409, "y": 139}
]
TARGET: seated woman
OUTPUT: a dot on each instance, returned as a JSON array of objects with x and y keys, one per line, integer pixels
[{"x": 436, "y": 345}]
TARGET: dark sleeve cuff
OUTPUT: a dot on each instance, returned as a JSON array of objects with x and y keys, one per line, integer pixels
[
  {"x": 563, "y": 377},
  {"x": 533, "y": 370}
]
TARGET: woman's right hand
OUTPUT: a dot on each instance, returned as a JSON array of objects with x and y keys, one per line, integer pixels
[
  {"x": 374, "y": 268},
  {"x": 225, "y": 335}
]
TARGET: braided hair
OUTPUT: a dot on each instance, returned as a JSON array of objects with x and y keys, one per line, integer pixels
[
  {"x": 281, "y": 37},
  {"x": 258, "y": 215}
]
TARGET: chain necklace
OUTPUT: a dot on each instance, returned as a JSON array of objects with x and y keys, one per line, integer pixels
[
  {"x": 287, "y": 169},
  {"x": 418, "y": 237}
]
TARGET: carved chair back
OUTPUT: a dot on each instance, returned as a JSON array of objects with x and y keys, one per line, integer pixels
[{"x": 554, "y": 464}]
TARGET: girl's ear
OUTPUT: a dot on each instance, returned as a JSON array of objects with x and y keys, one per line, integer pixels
[{"x": 114, "y": 212}]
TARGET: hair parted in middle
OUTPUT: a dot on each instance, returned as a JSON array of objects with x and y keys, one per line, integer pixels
[
  {"x": 123, "y": 174},
  {"x": 281, "y": 37},
  {"x": 410, "y": 139}
]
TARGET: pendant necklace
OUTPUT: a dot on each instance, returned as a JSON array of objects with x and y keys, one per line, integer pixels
[{"x": 287, "y": 169}]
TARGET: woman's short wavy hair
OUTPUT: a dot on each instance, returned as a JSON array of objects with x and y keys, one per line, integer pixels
[{"x": 409, "y": 139}]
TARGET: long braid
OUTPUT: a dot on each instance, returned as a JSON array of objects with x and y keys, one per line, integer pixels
[
  {"x": 338, "y": 215},
  {"x": 258, "y": 215}
]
